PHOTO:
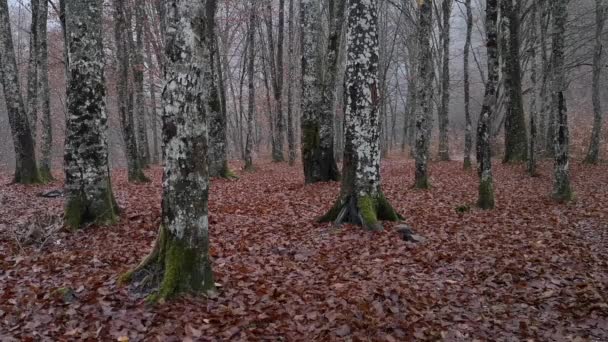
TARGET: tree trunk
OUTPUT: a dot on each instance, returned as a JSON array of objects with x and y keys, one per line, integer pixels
[
  {"x": 561, "y": 186},
  {"x": 317, "y": 129},
  {"x": 484, "y": 152},
  {"x": 138, "y": 84},
  {"x": 468, "y": 137},
  {"x": 361, "y": 200},
  {"x": 45, "y": 95},
  {"x": 87, "y": 173},
  {"x": 444, "y": 122},
  {"x": 291, "y": 139},
  {"x": 533, "y": 112},
  {"x": 179, "y": 262},
  {"x": 26, "y": 170},
  {"x": 516, "y": 140},
  {"x": 124, "y": 97},
  {"x": 250, "y": 74},
  {"x": 425, "y": 94},
  {"x": 277, "y": 147},
  {"x": 32, "y": 70},
  {"x": 153, "y": 111},
  {"x": 593, "y": 154}
]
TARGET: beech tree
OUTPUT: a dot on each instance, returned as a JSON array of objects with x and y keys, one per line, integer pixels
[
  {"x": 26, "y": 169},
  {"x": 137, "y": 63},
  {"x": 361, "y": 200},
  {"x": 291, "y": 139},
  {"x": 468, "y": 138},
  {"x": 484, "y": 152},
  {"x": 533, "y": 89},
  {"x": 33, "y": 68},
  {"x": 179, "y": 261},
  {"x": 250, "y": 75},
  {"x": 424, "y": 90},
  {"x": 46, "y": 147},
  {"x": 444, "y": 120},
  {"x": 89, "y": 196}
]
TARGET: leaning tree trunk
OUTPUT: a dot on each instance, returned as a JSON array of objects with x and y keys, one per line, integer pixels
[
  {"x": 26, "y": 170},
  {"x": 251, "y": 89},
  {"x": 138, "y": 84},
  {"x": 317, "y": 129},
  {"x": 179, "y": 262},
  {"x": 33, "y": 68},
  {"x": 484, "y": 150},
  {"x": 594, "y": 146},
  {"x": 444, "y": 120},
  {"x": 45, "y": 95},
  {"x": 87, "y": 173},
  {"x": 125, "y": 103},
  {"x": 533, "y": 86},
  {"x": 361, "y": 200},
  {"x": 561, "y": 186},
  {"x": 425, "y": 94},
  {"x": 291, "y": 139},
  {"x": 468, "y": 137},
  {"x": 516, "y": 140}
]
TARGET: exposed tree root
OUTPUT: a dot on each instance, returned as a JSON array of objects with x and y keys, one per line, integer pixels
[{"x": 365, "y": 211}]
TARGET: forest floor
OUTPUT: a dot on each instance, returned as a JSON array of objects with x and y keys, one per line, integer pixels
[{"x": 530, "y": 269}]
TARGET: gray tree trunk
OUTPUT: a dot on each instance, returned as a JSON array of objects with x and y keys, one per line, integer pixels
[
  {"x": 26, "y": 170},
  {"x": 534, "y": 86},
  {"x": 424, "y": 98},
  {"x": 277, "y": 85},
  {"x": 593, "y": 154},
  {"x": 45, "y": 95},
  {"x": 484, "y": 151},
  {"x": 179, "y": 262},
  {"x": 291, "y": 139},
  {"x": 32, "y": 69},
  {"x": 444, "y": 122},
  {"x": 468, "y": 135},
  {"x": 251, "y": 89},
  {"x": 87, "y": 173},
  {"x": 561, "y": 186},
  {"x": 516, "y": 140},
  {"x": 361, "y": 200},
  {"x": 137, "y": 54},
  {"x": 153, "y": 112}
]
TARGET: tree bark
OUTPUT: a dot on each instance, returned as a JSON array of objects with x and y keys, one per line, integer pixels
[
  {"x": 533, "y": 86},
  {"x": 32, "y": 69},
  {"x": 179, "y": 262},
  {"x": 361, "y": 200},
  {"x": 138, "y": 66},
  {"x": 153, "y": 112},
  {"x": 45, "y": 95},
  {"x": 444, "y": 122},
  {"x": 593, "y": 154},
  {"x": 89, "y": 196},
  {"x": 251, "y": 89},
  {"x": 561, "y": 186},
  {"x": 26, "y": 170},
  {"x": 291, "y": 139},
  {"x": 468, "y": 135},
  {"x": 277, "y": 72},
  {"x": 425, "y": 94},
  {"x": 484, "y": 152}
]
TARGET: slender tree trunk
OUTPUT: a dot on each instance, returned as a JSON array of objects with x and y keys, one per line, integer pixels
[
  {"x": 533, "y": 112},
  {"x": 277, "y": 151},
  {"x": 425, "y": 94},
  {"x": 291, "y": 140},
  {"x": 361, "y": 200},
  {"x": 87, "y": 173},
  {"x": 138, "y": 85},
  {"x": 32, "y": 70},
  {"x": 250, "y": 74},
  {"x": 484, "y": 152},
  {"x": 125, "y": 102},
  {"x": 444, "y": 122},
  {"x": 561, "y": 186},
  {"x": 545, "y": 69},
  {"x": 45, "y": 95},
  {"x": 593, "y": 154},
  {"x": 468, "y": 135},
  {"x": 179, "y": 262},
  {"x": 153, "y": 111},
  {"x": 516, "y": 140},
  {"x": 26, "y": 170}
]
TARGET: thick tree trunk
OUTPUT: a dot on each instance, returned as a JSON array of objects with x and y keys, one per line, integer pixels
[
  {"x": 593, "y": 154},
  {"x": 32, "y": 70},
  {"x": 87, "y": 173},
  {"x": 317, "y": 129},
  {"x": 291, "y": 139},
  {"x": 125, "y": 102},
  {"x": 425, "y": 94},
  {"x": 533, "y": 112},
  {"x": 516, "y": 140},
  {"x": 45, "y": 95},
  {"x": 561, "y": 186},
  {"x": 179, "y": 262},
  {"x": 138, "y": 85},
  {"x": 251, "y": 89},
  {"x": 468, "y": 134},
  {"x": 26, "y": 170},
  {"x": 444, "y": 122},
  {"x": 361, "y": 200},
  {"x": 484, "y": 152}
]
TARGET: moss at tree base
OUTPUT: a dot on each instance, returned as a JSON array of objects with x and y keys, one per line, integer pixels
[
  {"x": 422, "y": 183},
  {"x": 564, "y": 194},
  {"x": 486, "y": 195},
  {"x": 79, "y": 211},
  {"x": 45, "y": 175},
  {"x": 366, "y": 211},
  {"x": 467, "y": 165}
]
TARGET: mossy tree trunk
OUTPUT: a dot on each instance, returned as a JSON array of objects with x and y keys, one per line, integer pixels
[
  {"x": 484, "y": 151},
  {"x": 561, "y": 186},
  {"x": 424, "y": 98},
  {"x": 89, "y": 196},
  {"x": 593, "y": 154},
  {"x": 468, "y": 135},
  {"x": 125, "y": 102},
  {"x": 45, "y": 95},
  {"x": 361, "y": 200},
  {"x": 179, "y": 262},
  {"x": 317, "y": 113},
  {"x": 516, "y": 140},
  {"x": 26, "y": 169},
  {"x": 443, "y": 113}
]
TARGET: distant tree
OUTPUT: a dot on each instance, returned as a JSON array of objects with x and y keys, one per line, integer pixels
[
  {"x": 250, "y": 75},
  {"x": 533, "y": 88},
  {"x": 33, "y": 68},
  {"x": 179, "y": 262},
  {"x": 276, "y": 72},
  {"x": 136, "y": 49},
  {"x": 361, "y": 200},
  {"x": 443, "y": 113},
  {"x": 26, "y": 169},
  {"x": 561, "y": 140},
  {"x": 424, "y": 92},
  {"x": 44, "y": 94},
  {"x": 291, "y": 139},
  {"x": 484, "y": 153},
  {"x": 468, "y": 138}
]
